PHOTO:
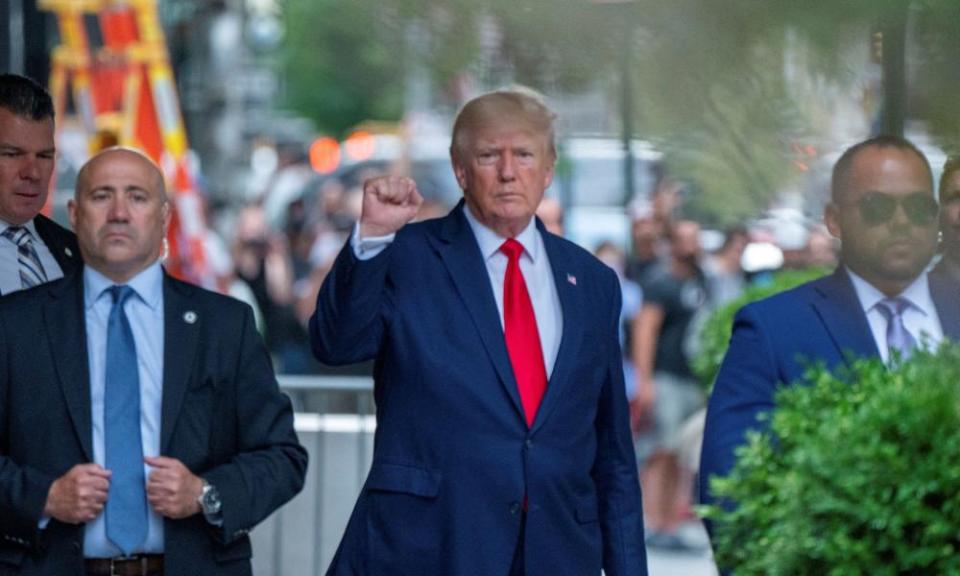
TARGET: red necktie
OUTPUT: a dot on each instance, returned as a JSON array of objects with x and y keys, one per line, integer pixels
[{"x": 522, "y": 336}]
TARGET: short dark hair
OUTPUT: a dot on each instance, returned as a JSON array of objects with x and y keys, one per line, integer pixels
[
  {"x": 951, "y": 166},
  {"x": 841, "y": 169},
  {"x": 24, "y": 97}
]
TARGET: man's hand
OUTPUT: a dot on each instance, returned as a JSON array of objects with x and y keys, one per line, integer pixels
[
  {"x": 79, "y": 495},
  {"x": 172, "y": 490},
  {"x": 389, "y": 202}
]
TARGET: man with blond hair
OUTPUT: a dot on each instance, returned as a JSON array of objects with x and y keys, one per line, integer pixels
[{"x": 503, "y": 444}]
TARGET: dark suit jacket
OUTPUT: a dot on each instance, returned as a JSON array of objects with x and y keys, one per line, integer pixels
[
  {"x": 222, "y": 416},
  {"x": 453, "y": 457},
  {"x": 773, "y": 342},
  {"x": 61, "y": 242},
  {"x": 943, "y": 273}
]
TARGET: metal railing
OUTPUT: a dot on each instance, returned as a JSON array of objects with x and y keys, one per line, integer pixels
[{"x": 335, "y": 422}]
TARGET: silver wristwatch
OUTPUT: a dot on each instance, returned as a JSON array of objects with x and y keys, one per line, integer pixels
[{"x": 210, "y": 503}]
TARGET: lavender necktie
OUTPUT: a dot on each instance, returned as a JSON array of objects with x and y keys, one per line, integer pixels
[{"x": 898, "y": 337}]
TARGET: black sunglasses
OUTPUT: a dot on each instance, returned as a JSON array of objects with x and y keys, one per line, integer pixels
[{"x": 878, "y": 208}]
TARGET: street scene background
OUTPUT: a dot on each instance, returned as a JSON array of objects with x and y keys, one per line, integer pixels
[{"x": 269, "y": 114}]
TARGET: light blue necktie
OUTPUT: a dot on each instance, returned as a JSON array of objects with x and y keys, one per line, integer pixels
[
  {"x": 126, "y": 511},
  {"x": 898, "y": 337},
  {"x": 31, "y": 270}
]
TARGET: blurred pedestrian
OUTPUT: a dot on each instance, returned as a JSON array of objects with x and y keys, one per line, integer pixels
[
  {"x": 262, "y": 260},
  {"x": 502, "y": 443},
  {"x": 722, "y": 269},
  {"x": 550, "y": 212},
  {"x": 949, "y": 266},
  {"x": 632, "y": 300},
  {"x": 33, "y": 248},
  {"x": 667, "y": 391},
  {"x": 648, "y": 248}
]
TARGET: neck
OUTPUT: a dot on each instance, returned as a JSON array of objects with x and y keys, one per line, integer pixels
[
  {"x": 683, "y": 268},
  {"x": 887, "y": 286}
]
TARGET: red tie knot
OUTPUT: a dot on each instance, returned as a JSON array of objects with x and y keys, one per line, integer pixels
[{"x": 512, "y": 249}]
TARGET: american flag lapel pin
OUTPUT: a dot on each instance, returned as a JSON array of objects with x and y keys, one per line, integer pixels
[{"x": 572, "y": 279}]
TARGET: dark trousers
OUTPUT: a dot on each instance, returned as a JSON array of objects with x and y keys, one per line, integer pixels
[{"x": 517, "y": 568}]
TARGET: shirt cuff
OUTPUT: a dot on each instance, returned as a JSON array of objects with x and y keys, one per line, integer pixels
[{"x": 367, "y": 248}]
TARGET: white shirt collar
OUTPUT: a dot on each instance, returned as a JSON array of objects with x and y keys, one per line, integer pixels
[
  {"x": 490, "y": 241},
  {"x": 148, "y": 285},
  {"x": 917, "y": 293}
]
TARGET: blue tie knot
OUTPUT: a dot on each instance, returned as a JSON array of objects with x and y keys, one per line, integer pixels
[{"x": 120, "y": 294}]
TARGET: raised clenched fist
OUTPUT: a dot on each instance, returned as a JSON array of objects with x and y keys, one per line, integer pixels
[{"x": 389, "y": 202}]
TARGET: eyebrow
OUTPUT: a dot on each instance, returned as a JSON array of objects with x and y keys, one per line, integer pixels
[
  {"x": 14, "y": 147},
  {"x": 112, "y": 188}
]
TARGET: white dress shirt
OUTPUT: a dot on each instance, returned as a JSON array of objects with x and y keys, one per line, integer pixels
[
  {"x": 534, "y": 264},
  {"x": 920, "y": 318},
  {"x": 10, "y": 265},
  {"x": 145, "y": 313}
]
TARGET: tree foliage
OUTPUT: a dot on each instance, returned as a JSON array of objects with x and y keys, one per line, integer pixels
[{"x": 710, "y": 79}]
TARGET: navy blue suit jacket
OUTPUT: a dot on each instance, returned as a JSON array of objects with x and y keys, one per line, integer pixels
[
  {"x": 222, "y": 415},
  {"x": 453, "y": 456},
  {"x": 776, "y": 339}
]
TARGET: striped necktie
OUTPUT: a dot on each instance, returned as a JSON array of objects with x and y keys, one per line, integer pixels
[{"x": 31, "y": 270}]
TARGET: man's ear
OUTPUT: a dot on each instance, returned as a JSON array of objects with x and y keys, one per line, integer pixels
[
  {"x": 831, "y": 217},
  {"x": 166, "y": 213},
  {"x": 72, "y": 212}
]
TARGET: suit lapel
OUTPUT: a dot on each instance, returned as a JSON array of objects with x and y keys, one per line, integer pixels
[
  {"x": 840, "y": 311},
  {"x": 461, "y": 255},
  {"x": 62, "y": 252},
  {"x": 946, "y": 298},
  {"x": 65, "y": 323},
  {"x": 571, "y": 304},
  {"x": 181, "y": 324}
]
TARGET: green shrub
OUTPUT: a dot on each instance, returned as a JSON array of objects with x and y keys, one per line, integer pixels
[
  {"x": 714, "y": 336},
  {"x": 858, "y": 474}
]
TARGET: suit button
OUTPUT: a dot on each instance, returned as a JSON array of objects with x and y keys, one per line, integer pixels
[
  {"x": 528, "y": 444},
  {"x": 515, "y": 508},
  {"x": 76, "y": 546}
]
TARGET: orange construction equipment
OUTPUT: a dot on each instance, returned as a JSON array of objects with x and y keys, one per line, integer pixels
[{"x": 123, "y": 92}]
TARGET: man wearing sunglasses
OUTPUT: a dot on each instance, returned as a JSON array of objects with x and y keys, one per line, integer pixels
[{"x": 879, "y": 301}]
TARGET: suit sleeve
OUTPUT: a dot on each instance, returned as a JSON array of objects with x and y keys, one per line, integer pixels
[
  {"x": 347, "y": 325},
  {"x": 268, "y": 464},
  {"x": 615, "y": 469},
  {"x": 744, "y": 389},
  {"x": 23, "y": 490}
]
